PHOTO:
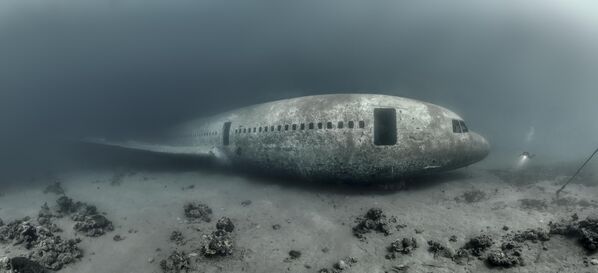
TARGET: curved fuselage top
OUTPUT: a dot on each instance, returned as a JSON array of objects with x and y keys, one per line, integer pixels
[{"x": 344, "y": 136}]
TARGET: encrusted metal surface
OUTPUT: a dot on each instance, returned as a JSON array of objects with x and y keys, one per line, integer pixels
[{"x": 425, "y": 138}]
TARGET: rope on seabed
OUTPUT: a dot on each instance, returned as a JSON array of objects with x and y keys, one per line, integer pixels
[{"x": 576, "y": 173}]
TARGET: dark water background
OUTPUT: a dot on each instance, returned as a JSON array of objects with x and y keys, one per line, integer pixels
[{"x": 102, "y": 68}]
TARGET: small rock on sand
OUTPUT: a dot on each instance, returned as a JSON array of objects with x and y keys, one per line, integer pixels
[
  {"x": 175, "y": 263},
  {"x": 93, "y": 225},
  {"x": 374, "y": 220},
  {"x": 219, "y": 242},
  {"x": 341, "y": 265},
  {"x": 295, "y": 254},
  {"x": 440, "y": 250},
  {"x": 404, "y": 246},
  {"x": 225, "y": 224},
  {"x": 21, "y": 265},
  {"x": 478, "y": 245},
  {"x": 177, "y": 237},
  {"x": 198, "y": 211}
]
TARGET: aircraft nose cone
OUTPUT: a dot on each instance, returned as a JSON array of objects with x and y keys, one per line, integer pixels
[{"x": 481, "y": 147}]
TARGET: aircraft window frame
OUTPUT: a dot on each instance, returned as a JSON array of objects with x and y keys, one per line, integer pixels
[
  {"x": 302, "y": 126},
  {"x": 279, "y": 128},
  {"x": 310, "y": 126},
  {"x": 464, "y": 128},
  {"x": 340, "y": 125},
  {"x": 260, "y": 129},
  {"x": 265, "y": 129},
  {"x": 286, "y": 127},
  {"x": 294, "y": 126},
  {"x": 272, "y": 128},
  {"x": 456, "y": 127},
  {"x": 329, "y": 125},
  {"x": 350, "y": 124},
  {"x": 361, "y": 124},
  {"x": 320, "y": 125}
]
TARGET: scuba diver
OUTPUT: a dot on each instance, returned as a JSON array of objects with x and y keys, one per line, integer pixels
[{"x": 527, "y": 155}]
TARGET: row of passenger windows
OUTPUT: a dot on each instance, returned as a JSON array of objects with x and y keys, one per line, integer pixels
[
  {"x": 207, "y": 133},
  {"x": 302, "y": 126},
  {"x": 459, "y": 126}
]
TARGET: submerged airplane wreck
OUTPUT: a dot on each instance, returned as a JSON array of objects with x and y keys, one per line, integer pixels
[{"x": 343, "y": 137}]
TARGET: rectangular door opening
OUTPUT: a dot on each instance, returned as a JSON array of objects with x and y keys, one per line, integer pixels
[
  {"x": 226, "y": 133},
  {"x": 385, "y": 126}
]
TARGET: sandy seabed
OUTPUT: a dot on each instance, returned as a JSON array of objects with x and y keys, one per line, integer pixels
[{"x": 147, "y": 206}]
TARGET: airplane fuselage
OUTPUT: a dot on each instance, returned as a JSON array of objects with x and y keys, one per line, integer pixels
[{"x": 345, "y": 137}]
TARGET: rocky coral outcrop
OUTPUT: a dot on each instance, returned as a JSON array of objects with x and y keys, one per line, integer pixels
[
  {"x": 89, "y": 221},
  {"x": 198, "y": 212},
  {"x": 219, "y": 242},
  {"x": 403, "y": 246},
  {"x": 373, "y": 220},
  {"x": 176, "y": 262},
  {"x": 586, "y": 231},
  {"x": 47, "y": 249}
]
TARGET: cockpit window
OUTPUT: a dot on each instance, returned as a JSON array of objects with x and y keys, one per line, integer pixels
[
  {"x": 464, "y": 128},
  {"x": 456, "y": 126},
  {"x": 459, "y": 126}
]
